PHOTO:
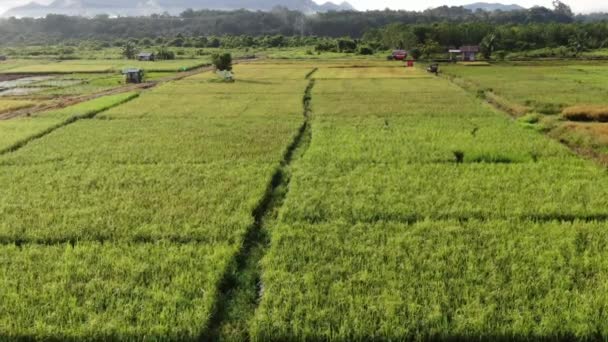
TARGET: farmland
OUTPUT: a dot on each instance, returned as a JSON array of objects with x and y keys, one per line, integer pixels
[
  {"x": 567, "y": 100},
  {"x": 393, "y": 236},
  {"x": 93, "y": 66},
  {"x": 76, "y": 194},
  {"x": 308, "y": 200}
]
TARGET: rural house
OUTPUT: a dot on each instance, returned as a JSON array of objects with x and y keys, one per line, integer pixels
[
  {"x": 133, "y": 75},
  {"x": 399, "y": 55},
  {"x": 146, "y": 56},
  {"x": 467, "y": 53}
]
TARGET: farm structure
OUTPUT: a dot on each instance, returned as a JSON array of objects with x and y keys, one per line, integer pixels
[
  {"x": 399, "y": 55},
  {"x": 133, "y": 75},
  {"x": 467, "y": 53},
  {"x": 146, "y": 57}
]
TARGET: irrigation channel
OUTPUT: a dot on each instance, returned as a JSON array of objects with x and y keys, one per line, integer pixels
[{"x": 241, "y": 289}]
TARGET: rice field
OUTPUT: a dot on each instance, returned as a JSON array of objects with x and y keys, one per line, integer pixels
[
  {"x": 8, "y": 105},
  {"x": 96, "y": 66},
  {"x": 16, "y": 132},
  {"x": 140, "y": 266},
  {"x": 559, "y": 94},
  {"x": 337, "y": 200},
  {"x": 386, "y": 234}
]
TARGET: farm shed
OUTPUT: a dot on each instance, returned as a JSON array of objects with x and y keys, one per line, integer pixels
[
  {"x": 468, "y": 52},
  {"x": 133, "y": 75},
  {"x": 146, "y": 57}
]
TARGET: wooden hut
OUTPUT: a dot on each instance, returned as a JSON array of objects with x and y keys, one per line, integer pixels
[{"x": 133, "y": 75}]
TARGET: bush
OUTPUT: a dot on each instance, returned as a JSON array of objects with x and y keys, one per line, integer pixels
[
  {"x": 166, "y": 54},
  {"x": 222, "y": 61},
  {"x": 415, "y": 53},
  {"x": 366, "y": 50},
  {"x": 346, "y": 45},
  {"x": 325, "y": 47}
]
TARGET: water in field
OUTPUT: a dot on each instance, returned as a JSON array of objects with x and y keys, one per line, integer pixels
[
  {"x": 20, "y": 91},
  {"x": 22, "y": 82}
]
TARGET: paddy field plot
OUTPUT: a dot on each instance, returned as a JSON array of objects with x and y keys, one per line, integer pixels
[
  {"x": 97, "y": 66},
  {"x": 20, "y": 130},
  {"x": 569, "y": 100},
  {"x": 541, "y": 86},
  {"x": 418, "y": 212},
  {"x": 399, "y": 207},
  {"x": 144, "y": 208}
]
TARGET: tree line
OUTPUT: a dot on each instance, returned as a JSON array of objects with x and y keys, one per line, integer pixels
[
  {"x": 280, "y": 21},
  {"x": 424, "y": 32}
]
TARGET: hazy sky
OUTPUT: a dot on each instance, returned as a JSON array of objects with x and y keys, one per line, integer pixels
[{"x": 584, "y": 6}]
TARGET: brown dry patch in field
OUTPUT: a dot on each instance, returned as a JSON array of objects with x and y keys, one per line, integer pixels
[
  {"x": 589, "y": 139},
  {"x": 597, "y": 131},
  {"x": 586, "y": 113}
]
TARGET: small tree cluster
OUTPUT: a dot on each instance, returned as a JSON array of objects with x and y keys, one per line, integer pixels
[{"x": 222, "y": 61}]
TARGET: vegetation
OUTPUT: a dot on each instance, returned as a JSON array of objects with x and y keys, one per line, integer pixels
[
  {"x": 73, "y": 212},
  {"x": 343, "y": 197},
  {"x": 222, "y": 62},
  {"x": 555, "y": 92},
  {"x": 7, "y": 105},
  {"x": 16, "y": 132},
  {"x": 391, "y": 238}
]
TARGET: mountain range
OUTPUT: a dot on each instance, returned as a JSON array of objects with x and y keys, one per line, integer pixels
[
  {"x": 146, "y": 7},
  {"x": 491, "y": 7},
  {"x": 91, "y": 8}
]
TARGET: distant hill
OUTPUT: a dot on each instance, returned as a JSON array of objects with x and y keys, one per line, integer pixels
[
  {"x": 491, "y": 7},
  {"x": 146, "y": 7}
]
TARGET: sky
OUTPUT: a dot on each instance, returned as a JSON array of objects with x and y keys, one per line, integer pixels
[{"x": 579, "y": 6}]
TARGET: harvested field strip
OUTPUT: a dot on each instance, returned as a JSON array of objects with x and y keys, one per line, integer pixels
[{"x": 586, "y": 113}]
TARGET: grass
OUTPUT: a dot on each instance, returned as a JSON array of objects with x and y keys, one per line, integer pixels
[
  {"x": 434, "y": 280},
  {"x": 400, "y": 207},
  {"x": 204, "y": 166},
  {"x": 576, "y": 90},
  {"x": 16, "y": 132},
  {"x": 392, "y": 239},
  {"x": 99, "y": 66},
  {"x": 109, "y": 291},
  {"x": 8, "y": 105}
]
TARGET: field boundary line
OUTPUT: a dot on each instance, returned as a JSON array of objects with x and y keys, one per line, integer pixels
[
  {"x": 16, "y": 146},
  {"x": 311, "y": 73},
  {"x": 242, "y": 281}
]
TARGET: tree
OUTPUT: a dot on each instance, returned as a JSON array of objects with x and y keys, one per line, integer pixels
[
  {"x": 222, "y": 61},
  {"x": 488, "y": 45},
  {"x": 415, "y": 53},
  {"x": 430, "y": 48},
  {"x": 578, "y": 43},
  {"x": 129, "y": 50},
  {"x": 164, "y": 53},
  {"x": 346, "y": 45}
]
